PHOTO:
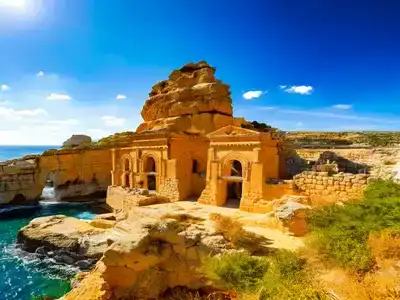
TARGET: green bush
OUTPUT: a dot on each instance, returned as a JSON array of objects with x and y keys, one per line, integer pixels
[
  {"x": 287, "y": 279},
  {"x": 238, "y": 271},
  {"x": 280, "y": 276},
  {"x": 341, "y": 232}
]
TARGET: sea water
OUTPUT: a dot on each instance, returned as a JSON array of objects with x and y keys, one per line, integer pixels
[
  {"x": 11, "y": 152},
  {"x": 22, "y": 275}
]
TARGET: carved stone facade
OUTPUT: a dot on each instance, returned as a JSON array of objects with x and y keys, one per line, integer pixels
[
  {"x": 191, "y": 147},
  {"x": 231, "y": 166},
  {"x": 162, "y": 162},
  {"x": 240, "y": 163}
]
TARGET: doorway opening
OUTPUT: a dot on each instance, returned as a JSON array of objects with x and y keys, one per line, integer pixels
[
  {"x": 150, "y": 169},
  {"x": 126, "y": 177},
  {"x": 127, "y": 180},
  {"x": 233, "y": 194}
]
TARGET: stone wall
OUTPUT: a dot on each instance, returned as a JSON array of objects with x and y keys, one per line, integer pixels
[
  {"x": 170, "y": 189},
  {"x": 124, "y": 199},
  {"x": 19, "y": 188},
  {"x": 378, "y": 162},
  {"x": 322, "y": 188}
]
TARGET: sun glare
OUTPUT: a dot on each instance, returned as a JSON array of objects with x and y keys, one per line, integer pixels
[{"x": 14, "y": 3}]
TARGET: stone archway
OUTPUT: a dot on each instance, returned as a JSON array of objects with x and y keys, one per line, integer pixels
[
  {"x": 150, "y": 168},
  {"x": 126, "y": 166},
  {"x": 234, "y": 183}
]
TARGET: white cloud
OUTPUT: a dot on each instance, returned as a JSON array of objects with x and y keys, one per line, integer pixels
[
  {"x": 4, "y": 87},
  {"x": 253, "y": 94},
  {"x": 113, "y": 121},
  {"x": 301, "y": 89},
  {"x": 12, "y": 114},
  {"x": 59, "y": 97},
  {"x": 342, "y": 106},
  {"x": 40, "y": 74},
  {"x": 299, "y": 124},
  {"x": 282, "y": 87},
  {"x": 120, "y": 97},
  {"x": 70, "y": 122},
  {"x": 266, "y": 107}
]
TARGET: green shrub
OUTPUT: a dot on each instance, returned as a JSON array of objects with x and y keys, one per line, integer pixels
[
  {"x": 237, "y": 271},
  {"x": 280, "y": 276},
  {"x": 341, "y": 232},
  {"x": 382, "y": 189},
  {"x": 287, "y": 279}
]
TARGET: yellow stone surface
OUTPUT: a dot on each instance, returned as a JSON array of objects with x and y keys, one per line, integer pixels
[{"x": 74, "y": 175}]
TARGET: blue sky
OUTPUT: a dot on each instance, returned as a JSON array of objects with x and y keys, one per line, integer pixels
[{"x": 297, "y": 65}]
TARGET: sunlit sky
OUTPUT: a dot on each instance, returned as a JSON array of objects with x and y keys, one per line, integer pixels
[{"x": 87, "y": 66}]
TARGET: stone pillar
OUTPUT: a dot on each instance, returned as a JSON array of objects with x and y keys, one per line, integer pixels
[
  {"x": 113, "y": 167},
  {"x": 112, "y": 178},
  {"x": 257, "y": 151}
]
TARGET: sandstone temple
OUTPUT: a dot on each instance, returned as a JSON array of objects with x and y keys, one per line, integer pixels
[{"x": 191, "y": 147}]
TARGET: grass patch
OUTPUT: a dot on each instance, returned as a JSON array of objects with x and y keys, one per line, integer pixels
[
  {"x": 233, "y": 231},
  {"x": 183, "y": 221},
  {"x": 280, "y": 276},
  {"x": 385, "y": 245},
  {"x": 342, "y": 232},
  {"x": 182, "y": 293}
]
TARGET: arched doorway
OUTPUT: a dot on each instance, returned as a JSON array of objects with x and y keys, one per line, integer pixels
[
  {"x": 234, "y": 184},
  {"x": 127, "y": 171},
  {"x": 150, "y": 169}
]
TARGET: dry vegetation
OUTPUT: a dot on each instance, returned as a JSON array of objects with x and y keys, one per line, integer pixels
[
  {"x": 374, "y": 139},
  {"x": 233, "y": 231},
  {"x": 353, "y": 253}
]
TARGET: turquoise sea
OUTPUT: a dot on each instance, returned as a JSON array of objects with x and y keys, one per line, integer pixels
[
  {"x": 11, "y": 152},
  {"x": 23, "y": 275}
]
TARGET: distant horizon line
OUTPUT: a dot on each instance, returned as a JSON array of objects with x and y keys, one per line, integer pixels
[{"x": 25, "y": 145}]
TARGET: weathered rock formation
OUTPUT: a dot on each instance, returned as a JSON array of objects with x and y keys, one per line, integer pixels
[
  {"x": 191, "y": 99},
  {"x": 65, "y": 234},
  {"x": 74, "y": 175},
  {"x": 145, "y": 253},
  {"x": 76, "y": 140}
]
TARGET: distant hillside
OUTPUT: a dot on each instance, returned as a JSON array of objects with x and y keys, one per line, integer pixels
[{"x": 369, "y": 138}]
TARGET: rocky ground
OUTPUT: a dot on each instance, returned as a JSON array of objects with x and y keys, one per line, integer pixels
[{"x": 148, "y": 250}]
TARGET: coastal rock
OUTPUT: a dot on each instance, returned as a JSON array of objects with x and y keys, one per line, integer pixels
[
  {"x": 76, "y": 140},
  {"x": 191, "y": 99},
  {"x": 61, "y": 233},
  {"x": 107, "y": 216},
  {"x": 75, "y": 176},
  {"x": 152, "y": 254}
]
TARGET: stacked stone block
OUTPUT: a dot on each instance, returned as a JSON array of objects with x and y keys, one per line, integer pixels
[{"x": 320, "y": 186}]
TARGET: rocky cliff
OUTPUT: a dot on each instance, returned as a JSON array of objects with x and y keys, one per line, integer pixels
[
  {"x": 146, "y": 252},
  {"x": 83, "y": 173},
  {"x": 191, "y": 99}
]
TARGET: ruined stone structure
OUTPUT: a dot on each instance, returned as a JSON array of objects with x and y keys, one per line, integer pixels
[
  {"x": 190, "y": 146},
  {"x": 73, "y": 175},
  {"x": 322, "y": 188}
]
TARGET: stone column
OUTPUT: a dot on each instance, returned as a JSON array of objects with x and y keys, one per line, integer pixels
[
  {"x": 257, "y": 151},
  {"x": 113, "y": 167}
]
